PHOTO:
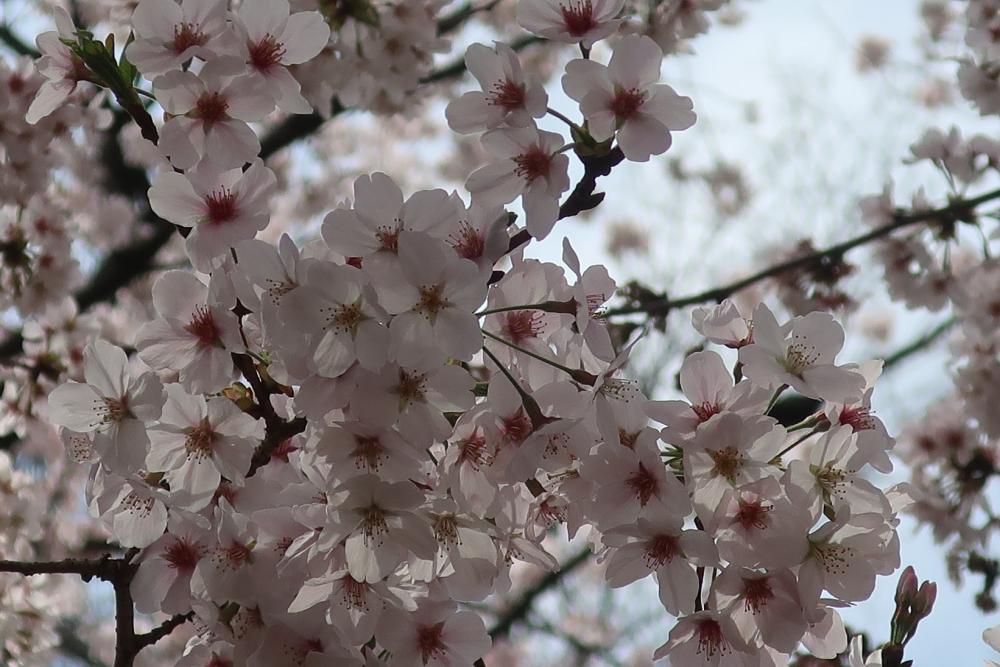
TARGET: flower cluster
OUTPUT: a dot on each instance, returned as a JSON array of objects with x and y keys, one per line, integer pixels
[{"x": 329, "y": 452}]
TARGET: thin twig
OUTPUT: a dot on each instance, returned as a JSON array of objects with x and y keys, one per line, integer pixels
[
  {"x": 522, "y": 606},
  {"x": 961, "y": 209}
]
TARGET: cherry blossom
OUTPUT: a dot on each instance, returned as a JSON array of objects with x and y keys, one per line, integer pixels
[
  {"x": 338, "y": 309},
  {"x": 623, "y": 99},
  {"x": 658, "y": 544},
  {"x": 270, "y": 40},
  {"x": 196, "y": 332},
  {"x": 321, "y": 446},
  {"x": 801, "y": 355},
  {"x": 112, "y": 405},
  {"x": 584, "y": 21},
  {"x": 705, "y": 638},
  {"x": 434, "y": 306},
  {"x": 223, "y": 208},
  {"x": 529, "y": 166},
  {"x": 198, "y": 442},
  {"x": 169, "y": 34},
  {"x": 435, "y": 634},
  {"x": 210, "y": 112},
  {"x": 61, "y": 68},
  {"x": 506, "y": 97}
]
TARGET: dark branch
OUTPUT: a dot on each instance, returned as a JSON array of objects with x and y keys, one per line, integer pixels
[
  {"x": 958, "y": 210},
  {"x": 105, "y": 568},
  {"x": 72, "y": 646},
  {"x": 164, "y": 629},
  {"x": 582, "y": 198},
  {"x": 919, "y": 344},
  {"x": 15, "y": 43},
  {"x": 520, "y": 608}
]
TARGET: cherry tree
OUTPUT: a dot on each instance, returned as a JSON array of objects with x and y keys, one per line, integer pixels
[{"x": 297, "y": 410}]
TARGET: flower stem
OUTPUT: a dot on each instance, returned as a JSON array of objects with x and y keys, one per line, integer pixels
[
  {"x": 533, "y": 355},
  {"x": 568, "y": 307}
]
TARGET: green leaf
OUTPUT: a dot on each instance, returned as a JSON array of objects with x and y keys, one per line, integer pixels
[{"x": 125, "y": 66}]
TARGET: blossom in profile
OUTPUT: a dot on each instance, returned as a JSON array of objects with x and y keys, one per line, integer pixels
[{"x": 60, "y": 67}]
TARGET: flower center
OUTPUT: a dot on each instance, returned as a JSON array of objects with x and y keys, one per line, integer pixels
[
  {"x": 859, "y": 418},
  {"x": 388, "y": 237},
  {"x": 266, "y": 53},
  {"x": 798, "y": 358},
  {"x": 752, "y": 514},
  {"x": 472, "y": 450},
  {"x": 578, "y": 17},
  {"x": 221, "y": 205},
  {"x": 430, "y": 641},
  {"x": 239, "y": 554},
  {"x": 211, "y": 108},
  {"x": 468, "y": 243},
  {"x": 187, "y": 35},
  {"x": 115, "y": 410},
  {"x": 345, "y": 318},
  {"x": 431, "y": 301},
  {"x": 506, "y": 94},
  {"x": 446, "y": 530},
  {"x": 727, "y": 463},
  {"x": 643, "y": 483},
  {"x": 200, "y": 439},
  {"x": 374, "y": 524},
  {"x": 660, "y": 550},
  {"x": 704, "y": 411},
  {"x": 202, "y": 326},
  {"x": 521, "y": 324},
  {"x": 756, "y": 593},
  {"x": 517, "y": 427},
  {"x": 410, "y": 388},
  {"x": 354, "y": 592},
  {"x": 533, "y": 163},
  {"x": 368, "y": 453},
  {"x": 710, "y": 639},
  {"x": 626, "y": 103},
  {"x": 183, "y": 554},
  {"x": 835, "y": 559}
]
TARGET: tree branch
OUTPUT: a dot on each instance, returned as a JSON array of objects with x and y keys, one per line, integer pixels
[
  {"x": 105, "y": 568},
  {"x": 15, "y": 43},
  {"x": 958, "y": 210},
  {"x": 164, "y": 629},
  {"x": 582, "y": 198},
  {"x": 520, "y": 608},
  {"x": 919, "y": 344}
]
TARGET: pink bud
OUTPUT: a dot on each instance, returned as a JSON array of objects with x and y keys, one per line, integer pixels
[
  {"x": 906, "y": 589},
  {"x": 923, "y": 602}
]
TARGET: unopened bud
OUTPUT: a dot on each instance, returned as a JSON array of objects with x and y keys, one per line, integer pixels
[
  {"x": 906, "y": 589},
  {"x": 923, "y": 602}
]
